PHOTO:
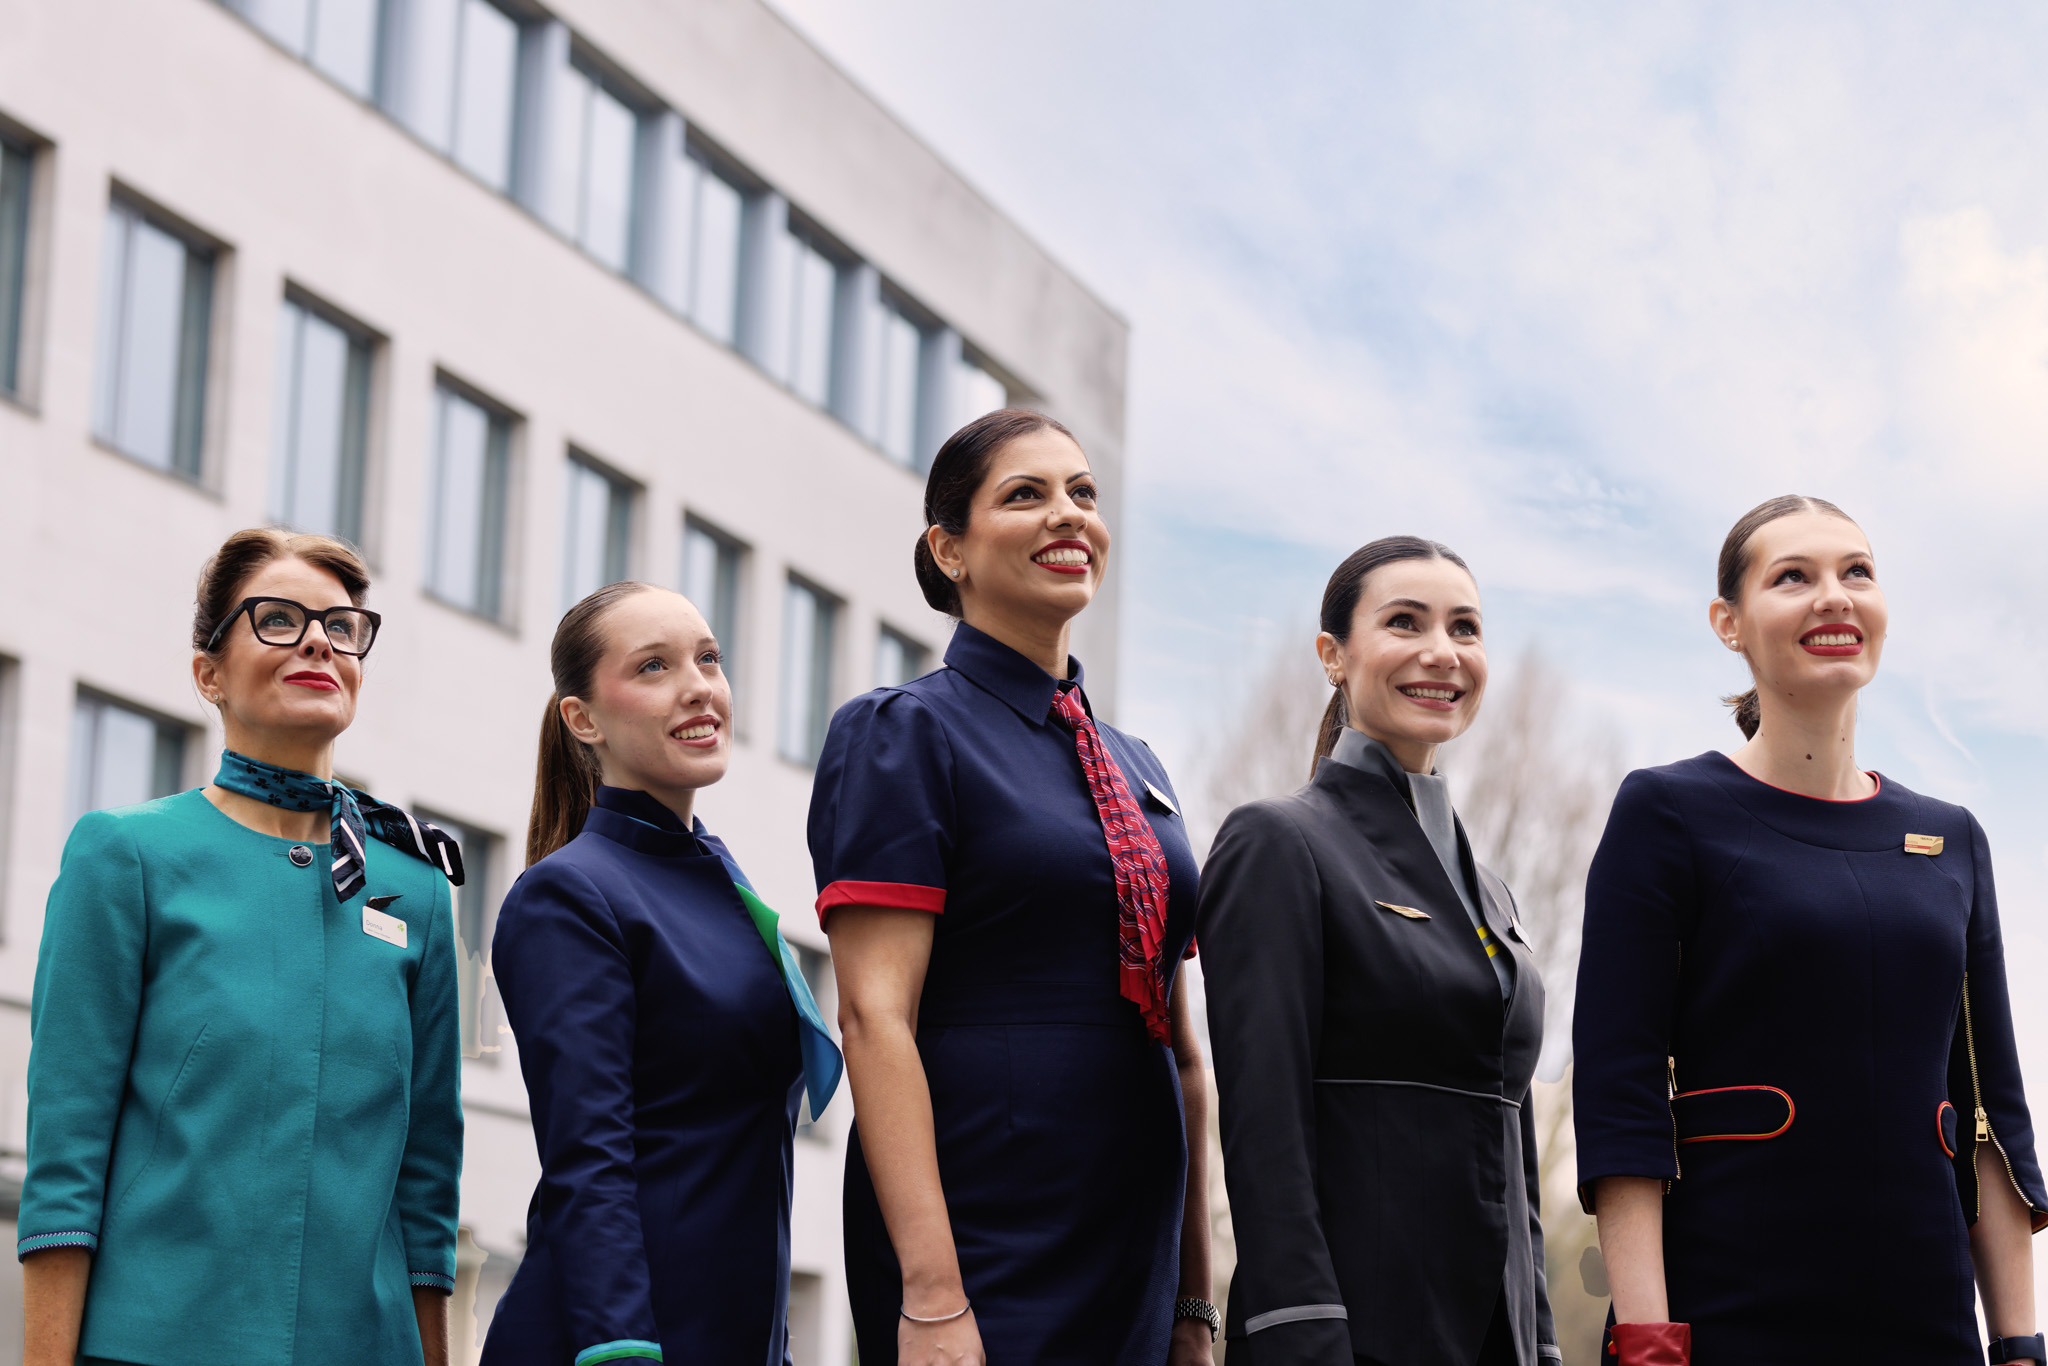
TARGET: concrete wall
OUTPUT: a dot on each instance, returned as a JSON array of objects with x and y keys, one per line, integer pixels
[{"x": 188, "y": 107}]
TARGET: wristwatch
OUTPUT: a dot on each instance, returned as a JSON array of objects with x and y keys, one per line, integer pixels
[
  {"x": 2018, "y": 1349},
  {"x": 1200, "y": 1310}
]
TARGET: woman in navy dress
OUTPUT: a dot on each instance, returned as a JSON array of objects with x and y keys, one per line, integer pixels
[
  {"x": 1800, "y": 1118},
  {"x": 664, "y": 1030},
  {"x": 1010, "y": 891}
]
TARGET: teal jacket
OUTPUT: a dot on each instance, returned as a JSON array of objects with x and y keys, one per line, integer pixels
[{"x": 243, "y": 1101}]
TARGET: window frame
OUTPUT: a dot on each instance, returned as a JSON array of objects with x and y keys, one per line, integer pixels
[
  {"x": 822, "y": 685},
  {"x": 501, "y": 552},
  {"x": 21, "y": 296},
  {"x": 621, "y": 522},
  {"x": 482, "y": 852},
  {"x": 170, "y": 772},
  {"x": 367, "y": 348},
  {"x": 196, "y": 406}
]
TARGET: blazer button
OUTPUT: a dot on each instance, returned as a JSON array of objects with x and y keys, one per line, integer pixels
[{"x": 300, "y": 855}]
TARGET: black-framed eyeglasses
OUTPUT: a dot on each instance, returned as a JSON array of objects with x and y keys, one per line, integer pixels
[{"x": 280, "y": 621}]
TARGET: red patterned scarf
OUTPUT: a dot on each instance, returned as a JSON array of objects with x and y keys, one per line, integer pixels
[{"x": 1141, "y": 876}]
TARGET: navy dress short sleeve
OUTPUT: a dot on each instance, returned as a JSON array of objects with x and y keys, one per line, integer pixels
[
  {"x": 1058, "y": 1120},
  {"x": 881, "y": 824},
  {"x": 1795, "y": 1012}
]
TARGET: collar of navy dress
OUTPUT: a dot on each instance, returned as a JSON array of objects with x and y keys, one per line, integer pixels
[
  {"x": 354, "y": 815},
  {"x": 1008, "y": 676},
  {"x": 1877, "y": 822},
  {"x": 639, "y": 822}
]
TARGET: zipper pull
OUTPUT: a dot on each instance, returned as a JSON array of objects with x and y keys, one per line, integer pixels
[
  {"x": 1983, "y": 1125},
  {"x": 1671, "y": 1077}
]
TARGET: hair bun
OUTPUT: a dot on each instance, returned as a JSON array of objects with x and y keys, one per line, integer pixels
[{"x": 941, "y": 592}]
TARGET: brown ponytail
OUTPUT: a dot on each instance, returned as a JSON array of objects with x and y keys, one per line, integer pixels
[
  {"x": 1734, "y": 567},
  {"x": 566, "y": 774},
  {"x": 1340, "y": 605}
]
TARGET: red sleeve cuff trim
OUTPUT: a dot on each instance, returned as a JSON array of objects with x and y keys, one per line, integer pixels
[{"x": 908, "y": 896}]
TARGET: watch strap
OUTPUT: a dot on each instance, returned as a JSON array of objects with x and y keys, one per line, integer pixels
[
  {"x": 2018, "y": 1349},
  {"x": 1202, "y": 1311}
]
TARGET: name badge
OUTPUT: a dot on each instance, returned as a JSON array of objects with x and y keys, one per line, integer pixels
[
  {"x": 1161, "y": 798},
  {"x": 1924, "y": 844},
  {"x": 388, "y": 928}
]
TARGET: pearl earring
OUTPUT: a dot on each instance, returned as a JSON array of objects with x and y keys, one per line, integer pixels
[{"x": 955, "y": 573}]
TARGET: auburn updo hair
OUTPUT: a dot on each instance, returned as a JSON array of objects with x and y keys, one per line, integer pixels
[{"x": 957, "y": 474}]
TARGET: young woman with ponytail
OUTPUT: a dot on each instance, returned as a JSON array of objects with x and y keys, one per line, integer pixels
[
  {"x": 1376, "y": 1016},
  {"x": 664, "y": 1029},
  {"x": 1797, "y": 1093}
]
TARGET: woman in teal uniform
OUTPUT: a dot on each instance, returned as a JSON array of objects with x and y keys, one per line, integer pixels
[{"x": 243, "y": 1111}]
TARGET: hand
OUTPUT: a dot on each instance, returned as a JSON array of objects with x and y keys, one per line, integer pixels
[
  {"x": 956, "y": 1342},
  {"x": 1191, "y": 1345}
]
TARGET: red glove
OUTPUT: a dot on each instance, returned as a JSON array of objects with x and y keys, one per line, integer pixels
[{"x": 1650, "y": 1344}]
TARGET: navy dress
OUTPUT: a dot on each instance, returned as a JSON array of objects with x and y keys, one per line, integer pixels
[
  {"x": 1794, "y": 1019},
  {"x": 1061, "y": 1143},
  {"x": 661, "y": 1054}
]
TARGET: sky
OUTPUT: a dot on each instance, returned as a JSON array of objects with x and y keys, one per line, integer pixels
[{"x": 1568, "y": 287}]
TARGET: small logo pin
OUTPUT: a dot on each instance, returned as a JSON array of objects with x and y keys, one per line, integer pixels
[
  {"x": 1409, "y": 911},
  {"x": 1162, "y": 798},
  {"x": 378, "y": 903},
  {"x": 1923, "y": 844}
]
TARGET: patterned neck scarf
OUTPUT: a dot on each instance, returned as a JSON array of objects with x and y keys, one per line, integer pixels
[
  {"x": 1141, "y": 876},
  {"x": 354, "y": 813}
]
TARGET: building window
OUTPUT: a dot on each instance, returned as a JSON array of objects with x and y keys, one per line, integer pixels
[
  {"x": 476, "y": 919},
  {"x": 156, "y": 307},
  {"x": 607, "y": 143},
  {"x": 594, "y": 550},
  {"x": 320, "y": 429},
  {"x": 121, "y": 756},
  {"x": 485, "y": 93},
  {"x": 898, "y": 659},
  {"x": 714, "y": 206},
  {"x": 813, "y": 296},
  {"x": 810, "y": 622},
  {"x": 712, "y": 563},
  {"x": 338, "y": 36},
  {"x": 17, "y": 167},
  {"x": 898, "y": 344},
  {"x": 976, "y": 392},
  {"x": 471, "y": 479}
]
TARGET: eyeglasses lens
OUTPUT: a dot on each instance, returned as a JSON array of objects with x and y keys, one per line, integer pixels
[{"x": 279, "y": 623}]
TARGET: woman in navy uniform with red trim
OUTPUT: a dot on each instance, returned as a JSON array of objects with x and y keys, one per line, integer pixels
[
  {"x": 1010, "y": 891},
  {"x": 665, "y": 1032},
  {"x": 1797, "y": 1094}
]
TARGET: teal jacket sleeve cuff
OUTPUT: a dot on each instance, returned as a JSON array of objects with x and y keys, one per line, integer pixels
[{"x": 36, "y": 1242}]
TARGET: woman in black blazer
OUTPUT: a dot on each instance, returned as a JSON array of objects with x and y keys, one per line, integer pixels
[{"x": 1376, "y": 1016}]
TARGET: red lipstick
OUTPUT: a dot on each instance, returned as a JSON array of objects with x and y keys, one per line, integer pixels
[
  {"x": 1087, "y": 560},
  {"x": 318, "y": 681},
  {"x": 1833, "y": 642}
]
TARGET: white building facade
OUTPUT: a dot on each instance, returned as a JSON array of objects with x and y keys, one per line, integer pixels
[{"x": 522, "y": 301}]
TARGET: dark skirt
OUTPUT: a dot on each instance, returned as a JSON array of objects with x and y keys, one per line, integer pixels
[{"x": 1063, "y": 1155}]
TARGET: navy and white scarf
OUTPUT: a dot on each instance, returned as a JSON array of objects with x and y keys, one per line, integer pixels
[{"x": 354, "y": 813}]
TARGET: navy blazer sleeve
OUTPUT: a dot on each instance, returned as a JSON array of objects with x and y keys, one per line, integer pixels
[
  {"x": 1261, "y": 925},
  {"x": 1640, "y": 899},
  {"x": 566, "y": 977},
  {"x": 1996, "y": 1079}
]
